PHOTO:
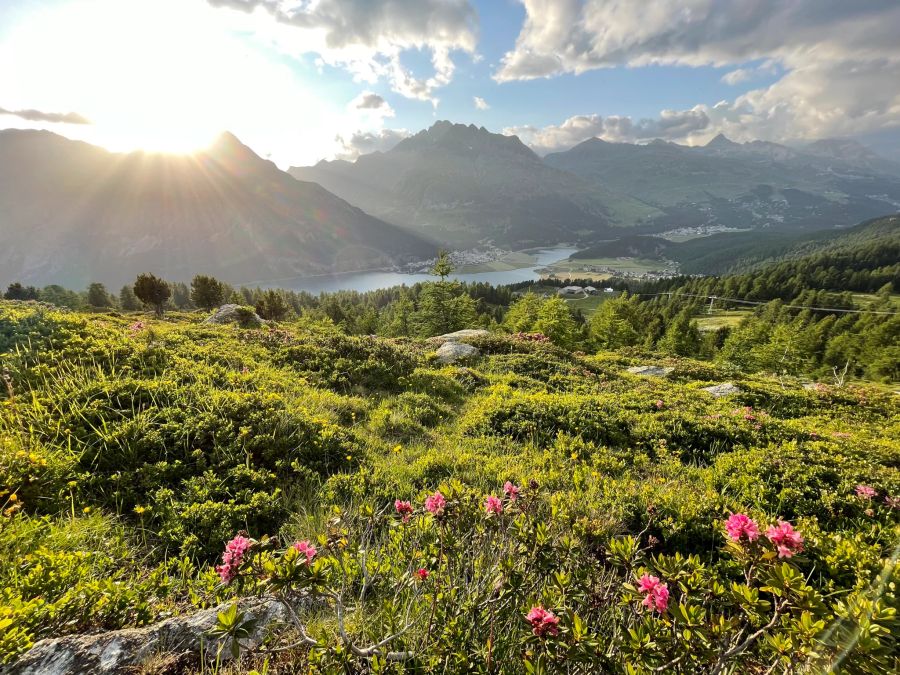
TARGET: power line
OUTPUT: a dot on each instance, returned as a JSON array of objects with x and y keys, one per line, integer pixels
[{"x": 752, "y": 302}]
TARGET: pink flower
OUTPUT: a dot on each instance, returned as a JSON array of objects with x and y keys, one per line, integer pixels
[
  {"x": 892, "y": 502},
  {"x": 786, "y": 539},
  {"x": 647, "y": 583},
  {"x": 435, "y": 504},
  {"x": 511, "y": 491},
  {"x": 865, "y": 491},
  {"x": 659, "y": 404},
  {"x": 493, "y": 505},
  {"x": 739, "y": 525},
  {"x": 136, "y": 326},
  {"x": 656, "y": 593},
  {"x": 306, "y": 548},
  {"x": 403, "y": 509},
  {"x": 422, "y": 573},
  {"x": 232, "y": 558},
  {"x": 543, "y": 621}
]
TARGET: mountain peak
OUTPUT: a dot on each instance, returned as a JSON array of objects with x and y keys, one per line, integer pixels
[
  {"x": 721, "y": 142},
  {"x": 462, "y": 138}
]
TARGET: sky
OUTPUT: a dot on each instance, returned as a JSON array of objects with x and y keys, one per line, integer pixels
[{"x": 304, "y": 80}]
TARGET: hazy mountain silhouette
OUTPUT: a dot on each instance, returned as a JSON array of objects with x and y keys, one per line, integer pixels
[{"x": 74, "y": 213}]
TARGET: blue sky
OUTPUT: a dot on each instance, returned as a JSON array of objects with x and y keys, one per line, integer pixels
[{"x": 300, "y": 81}]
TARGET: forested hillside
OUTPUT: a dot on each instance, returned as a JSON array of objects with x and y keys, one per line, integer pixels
[{"x": 869, "y": 245}]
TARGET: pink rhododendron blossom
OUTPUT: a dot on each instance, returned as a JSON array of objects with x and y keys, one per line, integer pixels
[
  {"x": 422, "y": 574},
  {"x": 232, "y": 558},
  {"x": 786, "y": 539},
  {"x": 511, "y": 491},
  {"x": 403, "y": 509},
  {"x": 136, "y": 326},
  {"x": 892, "y": 502},
  {"x": 660, "y": 404},
  {"x": 741, "y": 526},
  {"x": 493, "y": 505},
  {"x": 656, "y": 593},
  {"x": 865, "y": 491},
  {"x": 306, "y": 548},
  {"x": 436, "y": 504},
  {"x": 543, "y": 621}
]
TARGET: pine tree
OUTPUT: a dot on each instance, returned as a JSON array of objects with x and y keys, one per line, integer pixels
[
  {"x": 128, "y": 300},
  {"x": 207, "y": 292},
  {"x": 682, "y": 337},
  {"x": 152, "y": 291},
  {"x": 97, "y": 296},
  {"x": 271, "y": 306},
  {"x": 556, "y": 322},
  {"x": 441, "y": 309},
  {"x": 522, "y": 316}
]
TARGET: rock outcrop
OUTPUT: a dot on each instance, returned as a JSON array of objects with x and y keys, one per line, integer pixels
[
  {"x": 243, "y": 316},
  {"x": 120, "y": 651},
  {"x": 465, "y": 334},
  {"x": 451, "y": 352},
  {"x": 724, "y": 389},
  {"x": 650, "y": 371}
]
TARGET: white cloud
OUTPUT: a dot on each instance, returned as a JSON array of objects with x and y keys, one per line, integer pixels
[
  {"x": 737, "y": 76},
  {"x": 364, "y": 142},
  {"x": 817, "y": 43},
  {"x": 674, "y": 125},
  {"x": 369, "y": 37},
  {"x": 480, "y": 103}
]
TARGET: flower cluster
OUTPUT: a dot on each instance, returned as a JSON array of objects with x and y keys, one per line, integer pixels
[
  {"x": 543, "y": 621},
  {"x": 511, "y": 491},
  {"x": 740, "y": 526},
  {"x": 403, "y": 509},
  {"x": 530, "y": 337},
  {"x": 786, "y": 539},
  {"x": 137, "y": 326},
  {"x": 306, "y": 548},
  {"x": 435, "y": 504},
  {"x": 656, "y": 593},
  {"x": 865, "y": 491},
  {"x": 232, "y": 558},
  {"x": 493, "y": 505},
  {"x": 422, "y": 574}
]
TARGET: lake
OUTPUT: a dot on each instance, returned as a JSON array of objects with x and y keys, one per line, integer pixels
[{"x": 370, "y": 281}]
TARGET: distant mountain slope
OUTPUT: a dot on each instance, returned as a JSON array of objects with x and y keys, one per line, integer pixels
[
  {"x": 869, "y": 245},
  {"x": 71, "y": 213},
  {"x": 750, "y": 185},
  {"x": 464, "y": 184}
]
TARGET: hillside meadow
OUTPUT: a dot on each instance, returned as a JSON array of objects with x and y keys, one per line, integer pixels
[{"x": 531, "y": 510}]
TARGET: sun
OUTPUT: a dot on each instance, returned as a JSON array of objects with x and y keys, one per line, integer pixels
[{"x": 157, "y": 76}]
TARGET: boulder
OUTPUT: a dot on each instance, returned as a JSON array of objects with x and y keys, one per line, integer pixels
[
  {"x": 724, "y": 389},
  {"x": 451, "y": 352},
  {"x": 121, "y": 651},
  {"x": 464, "y": 334},
  {"x": 244, "y": 316},
  {"x": 650, "y": 371}
]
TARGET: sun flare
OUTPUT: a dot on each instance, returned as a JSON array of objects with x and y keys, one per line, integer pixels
[{"x": 166, "y": 77}]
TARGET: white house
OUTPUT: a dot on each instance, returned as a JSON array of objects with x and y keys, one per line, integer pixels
[
  {"x": 609, "y": 290},
  {"x": 590, "y": 290}
]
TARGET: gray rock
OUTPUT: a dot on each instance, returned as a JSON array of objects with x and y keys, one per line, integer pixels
[
  {"x": 724, "y": 389},
  {"x": 235, "y": 314},
  {"x": 650, "y": 371},
  {"x": 120, "y": 651},
  {"x": 451, "y": 352},
  {"x": 464, "y": 334}
]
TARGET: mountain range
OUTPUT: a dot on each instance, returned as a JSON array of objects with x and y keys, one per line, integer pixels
[
  {"x": 72, "y": 213},
  {"x": 465, "y": 185}
]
